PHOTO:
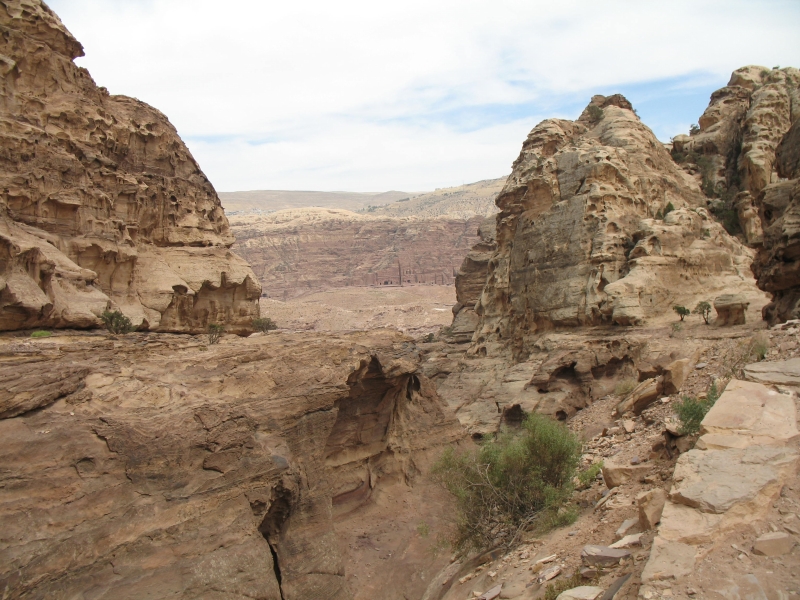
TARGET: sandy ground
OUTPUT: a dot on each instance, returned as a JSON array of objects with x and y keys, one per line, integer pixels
[{"x": 416, "y": 310}]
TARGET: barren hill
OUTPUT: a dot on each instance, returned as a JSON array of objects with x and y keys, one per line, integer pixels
[
  {"x": 460, "y": 202},
  {"x": 266, "y": 201}
]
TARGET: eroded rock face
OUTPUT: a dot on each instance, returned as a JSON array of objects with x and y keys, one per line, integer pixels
[
  {"x": 750, "y": 139},
  {"x": 168, "y": 468},
  {"x": 582, "y": 238},
  {"x": 101, "y": 203}
]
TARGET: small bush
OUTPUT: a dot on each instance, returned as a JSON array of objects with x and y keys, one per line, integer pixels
[
  {"x": 703, "y": 309},
  {"x": 759, "y": 346},
  {"x": 553, "y": 590},
  {"x": 669, "y": 208},
  {"x": 423, "y": 530},
  {"x": 264, "y": 324},
  {"x": 691, "y": 411},
  {"x": 595, "y": 113},
  {"x": 511, "y": 483},
  {"x": 214, "y": 333},
  {"x": 41, "y": 334},
  {"x": 681, "y": 310},
  {"x": 694, "y": 129},
  {"x": 587, "y": 476},
  {"x": 116, "y": 322},
  {"x": 427, "y": 339},
  {"x": 625, "y": 387}
]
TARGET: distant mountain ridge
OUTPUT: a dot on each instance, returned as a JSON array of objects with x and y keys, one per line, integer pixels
[{"x": 267, "y": 201}]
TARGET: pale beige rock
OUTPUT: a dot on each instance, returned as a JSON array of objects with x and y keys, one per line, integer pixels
[
  {"x": 782, "y": 372},
  {"x": 584, "y": 592},
  {"x": 749, "y": 413},
  {"x": 669, "y": 560},
  {"x": 642, "y": 396},
  {"x": 104, "y": 206},
  {"x": 674, "y": 375},
  {"x": 628, "y": 527},
  {"x": 615, "y": 475},
  {"x": 634, "y": 539},
  {"x": 714, "y": 481},
  {"x": 775, "y": 543},
  {"x": 602, "y": 556},
  {"x": 651, "y": 505}
]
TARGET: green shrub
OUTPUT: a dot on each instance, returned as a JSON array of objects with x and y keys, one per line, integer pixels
[
  {"x": 116, "y": 322},
  {"x": 264, "y": 324},
  {"x": 694, "y": 129},
  {"x": 681, "y": 310},
  {"x": 587, "y": 476},
  {"x": 625, "y": 387},
  {"x": 759, "y": 346},
  {"x": 41, "y": 334},
  {"x": 511, "y": 483},
  {"x": 691, "y": 411},
  {"x": 553, "y": 590},
  {"x": 669, "y": 208},
  {"x": 215, "y": 332},
  {"x": 595, "y": 113}
]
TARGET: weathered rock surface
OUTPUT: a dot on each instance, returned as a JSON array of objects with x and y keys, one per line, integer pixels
[
  {"x": 731, "y": 309},
  {"x": 581, "y": 239},
  {"x": 729, "y": 486},
  {"x": 651, "y": 506},
  {"x": 784, "y": 372},
  {"x": 298, "y": 251},
  {"x": 749, "y": 140},
  {"x": 167, "y": 468},
  {"x": 775, "y": 543},
  {"x": 101, "y": 203}
]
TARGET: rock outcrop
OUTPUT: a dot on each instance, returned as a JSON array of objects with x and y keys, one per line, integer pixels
[
  {"x": 153, "y": 465},
  {"x": 101, "y": 204},
  {"x": 599, "y": 225},
  {"x": 748, "y": 152}
]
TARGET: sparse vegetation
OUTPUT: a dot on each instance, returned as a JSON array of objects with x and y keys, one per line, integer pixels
[
  {"x": 759, "y": 346},
  {"x": 264, "y": 324},
  {"x": 682, "y": 311},
  {"x": 514, "y": 482},
  {"x": 691, "y": 411},
  {"x": 588, "y": 475},
  {"x": 703, "y": 309},
  {"x": 694, "y": 129},
  {"x": 562, "y": 585},
  {"x": 669, "y": 208},
  {"x": 595, "y": 113},
  {"x": 215, "y": 332},
  {"x": 676, "y": 329},
  {"x": 41, "y": 334},
  {"x": 423, "y": 530},
  {"x": 427, "y": 339},
  {"x": 625, "y": 387},
  {"x": 116, "y": 322}
]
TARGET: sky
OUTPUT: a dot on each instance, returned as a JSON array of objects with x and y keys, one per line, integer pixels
[{"x": 412, "y": 95}]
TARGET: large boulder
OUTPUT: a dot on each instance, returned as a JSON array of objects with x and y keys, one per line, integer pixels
[{"x": 731, "y": 309}]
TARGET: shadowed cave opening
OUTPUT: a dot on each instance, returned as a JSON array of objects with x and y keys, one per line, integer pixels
[{"x": 272, "y": 527}]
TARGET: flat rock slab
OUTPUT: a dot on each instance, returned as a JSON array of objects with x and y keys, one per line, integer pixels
[
  {"x": 713, "y": 481},
  {"x": 601, "y": 556},
  {"x": 584, "y": 592},
  {"x": 780, "y": 372},
  {"x": 615, "y": 475},
  {"x": 752, "y": 411},
  {"x": 775, "y": 543},
  {"x": 669, "y": 560}
]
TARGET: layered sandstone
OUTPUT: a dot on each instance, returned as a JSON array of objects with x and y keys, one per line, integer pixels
[
  {"x": 101, "y": 204},
  {"x": 598, "y": 225},
  {"x": 228, "y": 471},
  {"x": 298, "y": 251},
  {"x": 749, "y": 146}
]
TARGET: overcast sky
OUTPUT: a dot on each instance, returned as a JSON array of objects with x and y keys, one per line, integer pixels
[{"x": 410, "y": 95}]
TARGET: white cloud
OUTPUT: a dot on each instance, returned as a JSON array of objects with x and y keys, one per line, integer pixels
[{"x": 411, "y": 95}]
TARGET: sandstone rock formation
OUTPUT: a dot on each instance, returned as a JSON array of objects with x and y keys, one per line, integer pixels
[
  {"x": 154, "y": 466},
  {"x": 599, "y": 225},
  {"x": 101, "y": 203},
  {"x": 748, "y": 149},
  {"x": 460, "y": 202},
  {"x": 295, "y": 252}
]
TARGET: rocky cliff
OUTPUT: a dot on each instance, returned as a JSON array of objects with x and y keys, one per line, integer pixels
[
  {"x": 747, "y": 150},
  {"x": 598, "y": 225},
  {"x": 295, "y": 252},
  {"x": 101, "y": 203},
  {"x": 228, "y": 471}
]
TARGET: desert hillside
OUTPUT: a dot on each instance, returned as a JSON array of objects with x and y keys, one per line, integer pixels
[
  {"x": 267, "y": 201},
  {"x": 295, "y": 252}
]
